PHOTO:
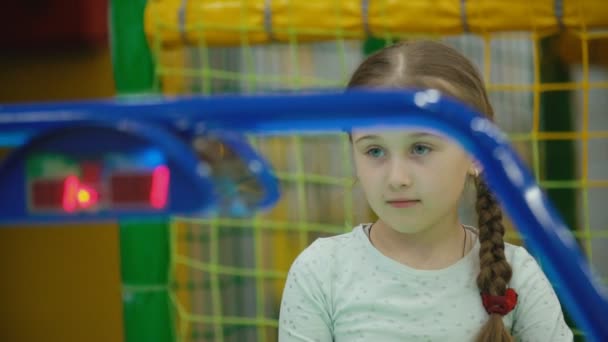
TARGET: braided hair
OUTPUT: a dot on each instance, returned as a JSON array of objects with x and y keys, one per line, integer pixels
[{"x": 494, "y": 270}]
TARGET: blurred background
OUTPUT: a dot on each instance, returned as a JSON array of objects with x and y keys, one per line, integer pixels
[
  {"x": 59, "y": 283},
  {"x": 220, "y": 279}
]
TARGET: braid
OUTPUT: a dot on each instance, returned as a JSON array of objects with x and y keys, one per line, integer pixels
[{"x": 495, "y": 272}]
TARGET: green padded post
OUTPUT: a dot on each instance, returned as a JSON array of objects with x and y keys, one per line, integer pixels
[
  {"x": 373, "y": 44},
  {"x": 144, "y": 245},
  {"x": 556, "y": 116},
  {"x": 144, "y": 266},
  {"x": 560, "y": 160},
  {"x": 131, "y": 57}
]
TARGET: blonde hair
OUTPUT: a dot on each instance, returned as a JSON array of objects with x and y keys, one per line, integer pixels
[{"x": 429, "y": 64}]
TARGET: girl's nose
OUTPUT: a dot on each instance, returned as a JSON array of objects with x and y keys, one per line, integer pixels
[{"x": 399, "y": 174}]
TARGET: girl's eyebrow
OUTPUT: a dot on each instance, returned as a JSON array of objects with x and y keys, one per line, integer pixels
[
  {"x": 367, "y": 137},
  {"x": 415, "y": 135}
]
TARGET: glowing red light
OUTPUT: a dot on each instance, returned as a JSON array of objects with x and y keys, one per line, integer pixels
[
  {"x": 70, "y": 193},
  {"x": 87, "y": 196},
  {"x": 76, "y": 195},
  {"x": 160, "y": 187}
]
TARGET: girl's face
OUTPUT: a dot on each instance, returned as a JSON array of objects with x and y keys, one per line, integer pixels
[{"x": 413, "y": 180}]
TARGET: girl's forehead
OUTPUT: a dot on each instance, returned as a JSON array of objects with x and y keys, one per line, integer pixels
[{"x": 387, "y": 133}]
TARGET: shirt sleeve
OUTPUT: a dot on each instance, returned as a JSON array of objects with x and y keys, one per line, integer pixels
[
  {"x": 304, "y": 314},
  {"x": 538, "y": 314}
]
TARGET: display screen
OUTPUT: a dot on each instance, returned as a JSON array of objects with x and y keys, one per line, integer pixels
[{"x": 68, "y": 184}]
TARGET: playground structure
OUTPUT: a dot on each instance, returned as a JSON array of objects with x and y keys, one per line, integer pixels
[
  {"x": 552, "y": 117},
  {"x": 221, "y": 278}
]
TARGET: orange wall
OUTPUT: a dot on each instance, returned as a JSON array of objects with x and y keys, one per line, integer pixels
[
  {"x": 59, "y": 283},
  {"x": 55, "y": 75}
]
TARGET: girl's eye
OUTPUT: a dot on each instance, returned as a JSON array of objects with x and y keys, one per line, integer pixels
[
  {"x": 420, "y": 150},
  {"x": 375, "y": 152}
]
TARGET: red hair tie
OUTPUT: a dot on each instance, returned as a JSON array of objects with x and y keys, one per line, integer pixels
[{"x": 501, "y": 305}]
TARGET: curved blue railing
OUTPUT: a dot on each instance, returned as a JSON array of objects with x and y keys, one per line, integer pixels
[{"x": 514, "y": 186}]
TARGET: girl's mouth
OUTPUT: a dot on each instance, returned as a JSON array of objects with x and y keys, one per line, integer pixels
[{"x": 402, "y": 203}]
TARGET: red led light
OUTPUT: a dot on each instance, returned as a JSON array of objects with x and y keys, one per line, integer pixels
[
  {"x": 160, "y": 187},
  {"x": 70, "y": 193},
  {"x": 87, "y": 196},
  {"x": 98, "y": 187},
  {"x": 76, "y": 195}
]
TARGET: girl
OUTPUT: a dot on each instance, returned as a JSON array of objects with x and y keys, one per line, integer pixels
[{"x": 417, "y": 273}]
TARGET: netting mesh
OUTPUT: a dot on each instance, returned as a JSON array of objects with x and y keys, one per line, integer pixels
[{"x": 227, "y": 274}]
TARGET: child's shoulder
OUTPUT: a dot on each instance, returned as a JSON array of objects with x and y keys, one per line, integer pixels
[
  {"x": 324, "y": 250},
  {"x": 524, "y": 265},
  {"x": 344, "y": 242},
  {"x": 517, "y": 255}
]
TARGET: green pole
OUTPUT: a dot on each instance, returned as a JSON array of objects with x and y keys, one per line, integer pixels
[
  {"x": 144, "y": 245},
  {"x": 556, "y": 116},
  {"x": 373, "y": 44},
  {"x": 559, "y": 162},
  {"x": 144, "y": 262},
  {"x": 132, "y": 61}
]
